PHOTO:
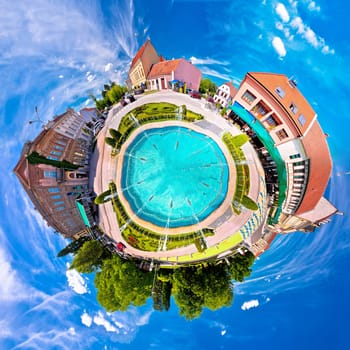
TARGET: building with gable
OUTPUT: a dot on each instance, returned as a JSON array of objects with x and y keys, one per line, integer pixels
[
  {"x": 165, "y": 73},
  {"x": 141, "y": 65},
  {"x": 224, "y": 94},
  {"x": 58, "y": 191},
  {"x": 292, "y": 148}
]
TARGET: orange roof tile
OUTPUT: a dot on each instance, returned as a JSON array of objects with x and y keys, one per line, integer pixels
[
  {"x": 233, "y": 90},
  {"x": 139, "y": 53},
  {"x": 163, "y": 68},
  {"x": 270, "y": 81},
  {"x": 320, "y": 167}
]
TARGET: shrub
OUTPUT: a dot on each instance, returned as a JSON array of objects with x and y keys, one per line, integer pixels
[{"x": 249, "y": 203}]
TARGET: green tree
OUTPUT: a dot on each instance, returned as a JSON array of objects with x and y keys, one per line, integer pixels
[
  {"x": 115, "y": 93},
  {"x": 103, "y": 197},
  {"x": 249, "y": 203},
  {"x": 73, "y": 247},
  {"x": 90, "y": 257},
  {"x": 240, "y": 266},
  {"x": 197, "y": 287},
  {"x": 240, "y": 140},
  {"x": 120, "y": 283},
  {"x": 207, "y": 86},
  {"x": 36, "y": 158},
  {"x": 110, "y": 141},
  {"x": 115, "y": 134}
]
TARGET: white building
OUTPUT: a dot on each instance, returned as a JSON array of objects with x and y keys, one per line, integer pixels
[{"x": 224, "y": 94}]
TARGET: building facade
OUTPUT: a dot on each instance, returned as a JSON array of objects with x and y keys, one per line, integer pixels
[
  {"x": 163, "y": 75},
  {"x": 58, "y": 191},
  {"x": 141, "y": 65},
  {"x": 224, "y": 94},
  {"x": 292, "y": 147}
]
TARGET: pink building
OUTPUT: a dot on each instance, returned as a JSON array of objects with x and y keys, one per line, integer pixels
[{"x": 163, "y": 74}]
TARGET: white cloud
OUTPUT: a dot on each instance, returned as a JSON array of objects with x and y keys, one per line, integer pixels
[
  {"x": 310, "y": 36},
  {"x": 250, "y": 304},
  {"x": 282, "y": 12},
  {"x": 101, "y": 321},
  {"x": 223, "y": 332},
  {"x": 108, "y": 67},
  {"x": 76, "y": 281},
  {"x": 199, "y": 61},
  {"x": 215, "y": 73},
  {"x": 278, "y": 45},
  {"x": 314, "y": 7},
  {"x": 86, "y": 319}
]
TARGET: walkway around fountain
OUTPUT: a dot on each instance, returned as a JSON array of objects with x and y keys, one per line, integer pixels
[{"x": 229, "y": 232}]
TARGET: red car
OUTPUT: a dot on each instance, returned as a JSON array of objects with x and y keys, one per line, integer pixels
[{"x": 195, "y": 94}]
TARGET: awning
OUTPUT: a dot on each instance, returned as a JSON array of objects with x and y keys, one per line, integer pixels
[{"x": 83, "y": 214}]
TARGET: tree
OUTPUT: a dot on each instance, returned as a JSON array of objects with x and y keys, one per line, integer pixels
[
  {"x": 90, "y": 257},
  {"x": 73, "y": 247},
  {"x": 110, "y": 141},
  {"x": 103, "y": 197},
  {"x": 206, "y": 86},
  {"x": 240, "y": 140},
  {"x": 115, "y": 134},
  {"x": 249, "y": 203},
  {"x": 240, "y": 266},
  {"x": 36, "y": 158},
  {"x": 198, "y": 287},
  {"x": 120, "y": 283}
]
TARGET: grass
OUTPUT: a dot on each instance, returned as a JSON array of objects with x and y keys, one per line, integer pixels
[
  {"x": 144, "y": 239},
  {"x": 242, "y": 171},
  {"x": 152, "y": 112}
]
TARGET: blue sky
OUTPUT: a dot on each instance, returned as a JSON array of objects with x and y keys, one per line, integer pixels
[{"x": 53, "y": 54}]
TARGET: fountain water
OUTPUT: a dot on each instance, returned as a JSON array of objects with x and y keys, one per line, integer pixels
[
  {"x": 134, "y": 119},
  {"x": 179, "y": 115}
]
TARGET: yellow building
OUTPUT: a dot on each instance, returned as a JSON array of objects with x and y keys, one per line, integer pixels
[{"x": 141, "y": 65}]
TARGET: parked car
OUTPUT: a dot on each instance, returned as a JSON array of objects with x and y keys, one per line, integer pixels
[
  {"x": 139, "y": 91},
  {"x": 195, "y": 94},
  {"x": 123, "y": 103},
  {"x": 129, "y": 98}
]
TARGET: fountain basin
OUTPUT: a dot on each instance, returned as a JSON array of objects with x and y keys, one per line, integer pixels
[{"x": 172, "y": 176}]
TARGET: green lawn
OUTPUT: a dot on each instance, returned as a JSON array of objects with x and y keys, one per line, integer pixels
[{"x": 242, "y": 170}]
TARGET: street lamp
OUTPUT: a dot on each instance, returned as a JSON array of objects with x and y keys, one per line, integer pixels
[{"x": 37, "y": 120}]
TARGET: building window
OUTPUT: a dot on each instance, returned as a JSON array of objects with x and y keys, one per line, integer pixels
[
  {"x": 280, "y": 92},
  {"x": 61, "y": 142},
  {"x": 53, "y": 189},
  {"x": 69, "y": 133},
  {"x": 59, "y": 203},
  {"x": 60, "y": 208},
  {"x": 56, "y": 196},
  {"x": 272, "y": 120},
  {"x": 58, "y": 147},
  {"x": 248, "y": 97},
  {"x": 261, "y": 109},
  {"x": 49, "y": 173},
  {"x": 57, "y": 153},
  {"x": 302, "y": 119},
  {"x": 282, "y": 134},
  {"x": 52, "y": 157},
  {"x": 293, "y": 108},
  {"x": 298, "y": 163},
  {"x": 294, "y": 156}
]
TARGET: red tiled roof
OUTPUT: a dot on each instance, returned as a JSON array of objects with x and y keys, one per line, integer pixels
[
  {"x": 163, "y": 68},
  {"x": 292, "y": 95},
  {"x": 320, "y": 167},
  {"x": 139, "y": 53},
  {"x": 233, "y": 90}
]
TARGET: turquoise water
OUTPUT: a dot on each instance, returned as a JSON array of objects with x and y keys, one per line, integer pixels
[{"x": 174, "y": 176}]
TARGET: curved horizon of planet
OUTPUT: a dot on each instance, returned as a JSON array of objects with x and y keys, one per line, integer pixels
[{"x": 181, "y": 185}]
